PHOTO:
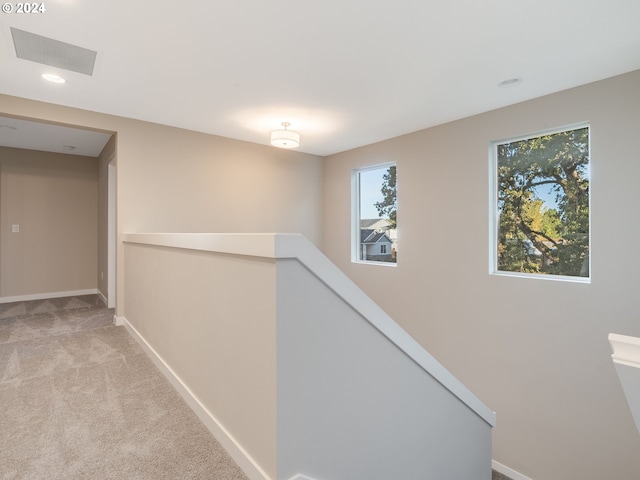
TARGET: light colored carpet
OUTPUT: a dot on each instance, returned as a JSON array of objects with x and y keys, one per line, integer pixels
[{"x": 79, "y": 399}]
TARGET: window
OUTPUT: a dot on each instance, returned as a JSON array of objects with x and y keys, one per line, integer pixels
[
  {"x": 374, "y": 238},
  {"x": 541, "y": 205}
]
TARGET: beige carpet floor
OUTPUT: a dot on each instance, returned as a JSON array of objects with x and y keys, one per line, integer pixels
[{"x": 79, "y": 399}]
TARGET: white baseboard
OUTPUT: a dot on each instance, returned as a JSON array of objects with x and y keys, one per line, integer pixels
[
  {"x": 509, "y": 472},
  {"x": 239, "y": 454},
  {"x": 103, "y": 298},
  {"x": 44, "y": 296}
]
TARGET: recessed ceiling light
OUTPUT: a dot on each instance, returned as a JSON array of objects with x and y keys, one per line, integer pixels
[
  {"x": 53, "y": 78},
  {"x": 510, "y": 82}
]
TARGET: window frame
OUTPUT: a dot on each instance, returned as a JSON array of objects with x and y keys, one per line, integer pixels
[
  {"x": 494, "y": 217},
  {"x": 355, "y": 214}
]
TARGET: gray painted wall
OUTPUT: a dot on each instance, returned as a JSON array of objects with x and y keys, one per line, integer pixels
[{"x": 352, "y": 406}]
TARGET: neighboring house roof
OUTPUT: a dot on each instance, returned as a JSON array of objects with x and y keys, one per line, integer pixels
[
  {"x": 374, "y": 223},
  {"x": 372, "y": 236}
]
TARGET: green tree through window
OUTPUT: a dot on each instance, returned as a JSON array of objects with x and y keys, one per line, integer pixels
[
  {"x": 543, "y": 204},
  {"x": 388, "y": 207}
]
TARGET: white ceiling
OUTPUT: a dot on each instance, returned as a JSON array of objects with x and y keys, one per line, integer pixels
[
  {"x": 344, "y": 73},
  {"x": 18, "y": 133}
]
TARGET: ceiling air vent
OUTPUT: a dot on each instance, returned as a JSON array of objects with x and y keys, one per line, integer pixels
[{"x": 54, "y": 53}]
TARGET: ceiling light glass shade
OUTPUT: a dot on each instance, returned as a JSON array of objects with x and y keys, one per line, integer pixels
[{"x": 285, "y": 138}]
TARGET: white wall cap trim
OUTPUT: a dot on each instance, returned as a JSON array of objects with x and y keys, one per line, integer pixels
[
  {"x": 252, "y": 244},
  {"x": 296, "y": 246},
  {"x": 626, "y": 350}
]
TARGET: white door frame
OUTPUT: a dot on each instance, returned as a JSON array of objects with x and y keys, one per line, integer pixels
[{"x": 111, "y": 232}]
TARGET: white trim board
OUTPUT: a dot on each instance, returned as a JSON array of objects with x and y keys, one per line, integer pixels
[
  {"x": 626, "y": 349},
  {"x": 509, "y": 472},
  {"x": 239, "y": 454},
  {"x": 626, "y": 360},
  {"x": 44, "y": 296},
  {"x": 102, "y": 297}
]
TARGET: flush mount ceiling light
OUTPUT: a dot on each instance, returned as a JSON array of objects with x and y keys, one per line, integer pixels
[
  {"x": 53, "y": 78},
  {"x": 285, "y": 138}
]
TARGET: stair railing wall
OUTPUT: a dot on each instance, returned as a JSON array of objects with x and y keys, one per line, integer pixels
[{"x": 293, "y": 368}]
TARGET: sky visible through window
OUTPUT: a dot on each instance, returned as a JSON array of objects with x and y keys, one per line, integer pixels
[
  {"x": 370, "y": 184},
  {"x": 547, "y": 195}
]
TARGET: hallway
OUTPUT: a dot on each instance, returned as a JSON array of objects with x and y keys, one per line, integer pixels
[{"x": 80, "y": 399}]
